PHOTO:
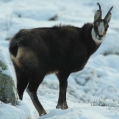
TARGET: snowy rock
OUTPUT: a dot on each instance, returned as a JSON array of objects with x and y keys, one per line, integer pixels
[{"x": 7, "y": 87}]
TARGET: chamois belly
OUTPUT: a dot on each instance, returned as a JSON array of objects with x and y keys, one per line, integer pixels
[{"x": 78, "y": 63}]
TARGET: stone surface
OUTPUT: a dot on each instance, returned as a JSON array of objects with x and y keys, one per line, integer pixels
[{"x": 8, "y": 92}]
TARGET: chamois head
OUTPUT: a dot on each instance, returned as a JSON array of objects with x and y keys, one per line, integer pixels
[{"x": 100, "y": 25}]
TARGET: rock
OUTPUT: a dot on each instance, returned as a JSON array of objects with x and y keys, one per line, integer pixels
[{"x": 8, "y": 93}]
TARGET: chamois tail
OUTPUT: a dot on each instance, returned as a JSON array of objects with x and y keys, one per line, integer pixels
[
  {"x": 13, "y": 50},
  {"x": 14, "y": 43}
]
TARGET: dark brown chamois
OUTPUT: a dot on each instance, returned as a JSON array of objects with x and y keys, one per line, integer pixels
[{"x": 59, "y": 49}]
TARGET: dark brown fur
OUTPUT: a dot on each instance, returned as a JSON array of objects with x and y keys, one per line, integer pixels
[{"x": 40, "y": 51}]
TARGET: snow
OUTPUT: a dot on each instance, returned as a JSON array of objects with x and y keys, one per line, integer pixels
[
  {"x": 20, "y": 111},
  {"x": 92, "y": 93}
]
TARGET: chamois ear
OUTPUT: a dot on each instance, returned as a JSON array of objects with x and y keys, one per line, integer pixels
[
  {"x": 98, "y": 14},
  {"x": 108, "y": 16}
]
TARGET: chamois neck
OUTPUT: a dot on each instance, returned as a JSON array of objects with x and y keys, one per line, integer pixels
[{"x": 87, "y": 38}]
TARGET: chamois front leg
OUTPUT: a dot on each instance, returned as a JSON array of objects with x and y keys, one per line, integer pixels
[
  {"x": 35, "y": 79},
  {"x": 62, "y": 103}
]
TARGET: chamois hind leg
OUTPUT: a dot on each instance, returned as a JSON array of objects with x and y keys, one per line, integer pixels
[
  {"x": 62, "y": 103},
  {"x": 22, "y": 80},
  {"x": 35, "y": 79}
]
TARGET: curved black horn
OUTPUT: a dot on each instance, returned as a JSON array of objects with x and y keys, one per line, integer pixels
[
  {"x": 108, "y": 13},
  {"x": 99, "y": 6},
  {"x": 100, "y": 10}
]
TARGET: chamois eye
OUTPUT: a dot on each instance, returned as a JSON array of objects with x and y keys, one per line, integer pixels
[
  {"x": 106, "y": 27},
  {"x": 97, "y": 23}
]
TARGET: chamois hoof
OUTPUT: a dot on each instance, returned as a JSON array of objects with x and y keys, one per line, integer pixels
[
  {"x": 43, "y": 113},
  {"x": 62, "y": 106}
]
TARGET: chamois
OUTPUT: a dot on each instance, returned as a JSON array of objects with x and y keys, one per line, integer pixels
[{"x": 59, "y": 49}]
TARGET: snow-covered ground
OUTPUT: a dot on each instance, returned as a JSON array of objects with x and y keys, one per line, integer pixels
[{"x": 92, "y": 93}]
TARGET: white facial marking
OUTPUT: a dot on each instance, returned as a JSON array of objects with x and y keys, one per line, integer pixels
[
  {"x": 95, "y": 38},
  {"x": 101, "y": 28}
]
